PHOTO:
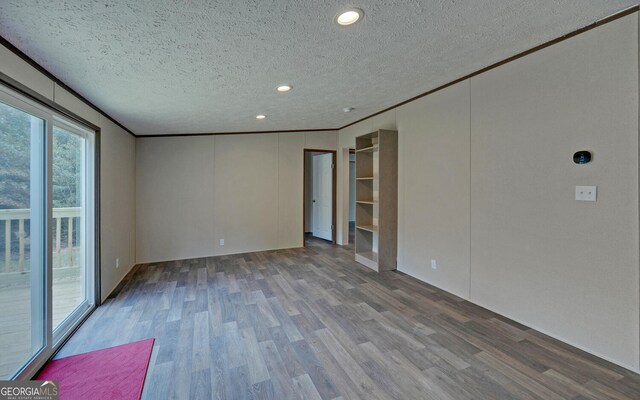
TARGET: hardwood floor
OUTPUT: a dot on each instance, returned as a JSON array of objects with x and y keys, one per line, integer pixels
[{"x": 313, "y": 324}]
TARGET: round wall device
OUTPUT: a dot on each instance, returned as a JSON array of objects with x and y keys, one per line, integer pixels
[{"x": 582, "y": 157}]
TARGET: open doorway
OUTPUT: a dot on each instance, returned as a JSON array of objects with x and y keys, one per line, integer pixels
[
  {"x": 320, "y": 194},
  {"x": 352, "y": 195}
]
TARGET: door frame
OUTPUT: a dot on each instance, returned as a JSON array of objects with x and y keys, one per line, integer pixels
[
  {"x": 347, "y": 233},
  {"x": 333, "y": 190}
]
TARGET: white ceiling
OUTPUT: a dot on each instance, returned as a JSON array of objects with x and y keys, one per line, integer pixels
[{"x": 165, "y": 67}]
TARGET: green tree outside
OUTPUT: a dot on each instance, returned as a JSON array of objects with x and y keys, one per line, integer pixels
[{"x": 15, "y": 159}]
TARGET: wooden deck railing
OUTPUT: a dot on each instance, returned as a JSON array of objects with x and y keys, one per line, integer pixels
[{"x": 60, "y": 215}]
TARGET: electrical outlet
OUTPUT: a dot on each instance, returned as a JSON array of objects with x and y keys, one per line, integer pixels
[
  {"x": 117, "y": 263},
  {"x": 586, "y": 193},
  {"x": 434, "y": 264},
  {"x": 221, "y": 242}
]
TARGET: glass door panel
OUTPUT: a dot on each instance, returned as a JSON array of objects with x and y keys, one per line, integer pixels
[
  {"x": 69, "y": 226},
  {"x": 22, "y": 238}
]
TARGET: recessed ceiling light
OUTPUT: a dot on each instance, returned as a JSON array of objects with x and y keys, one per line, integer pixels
[
  {"x": 348, "y": 109},
  {"x": 349, "y": 17},
  {"x": 261, "y": 116},
  {"x": 284, "y": 88}
]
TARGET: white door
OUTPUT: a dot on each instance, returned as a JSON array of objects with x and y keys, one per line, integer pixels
[{"x": 322, "y": 196}]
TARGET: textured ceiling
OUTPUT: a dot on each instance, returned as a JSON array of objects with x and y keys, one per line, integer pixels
[{"x": 162, "y": 67}]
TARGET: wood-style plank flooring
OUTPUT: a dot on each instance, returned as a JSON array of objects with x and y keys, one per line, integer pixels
[{"x": 313, "y": 324}]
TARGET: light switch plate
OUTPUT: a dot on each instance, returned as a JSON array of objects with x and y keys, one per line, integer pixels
[{"x": 586, "y": 193}]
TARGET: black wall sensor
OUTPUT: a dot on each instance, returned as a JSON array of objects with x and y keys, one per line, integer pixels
[{"x": 582, "y": 157}]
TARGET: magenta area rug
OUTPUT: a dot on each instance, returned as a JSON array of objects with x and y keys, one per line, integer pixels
[{"x": 114, "y": 373}]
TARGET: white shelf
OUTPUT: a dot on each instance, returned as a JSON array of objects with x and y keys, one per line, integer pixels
[
  {"x": 369, "y": 149},
  {"x": 370, "y": 228},
  {"x": 366, "y": 202}
]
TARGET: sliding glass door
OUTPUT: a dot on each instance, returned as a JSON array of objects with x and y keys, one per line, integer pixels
[
  {"x": 71, "y": 225},
  {"x": 46, "y": 231},
  {"x": 22, "y": 202}
]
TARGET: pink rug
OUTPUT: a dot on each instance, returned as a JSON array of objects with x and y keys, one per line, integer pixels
[{"x": 113, "y": 373}]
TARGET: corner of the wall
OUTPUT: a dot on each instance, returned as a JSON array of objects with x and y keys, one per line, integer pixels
[{"x": 116, "y": 286}]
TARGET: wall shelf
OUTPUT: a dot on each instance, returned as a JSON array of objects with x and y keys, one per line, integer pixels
[
  {"x": 370, "y": 228},
  {"x": 367, "y": 149},
  {"x": 376, "y": 200}
]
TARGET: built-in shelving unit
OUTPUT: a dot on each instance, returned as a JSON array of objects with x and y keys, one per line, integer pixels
[{"x": 376, "y": 199}]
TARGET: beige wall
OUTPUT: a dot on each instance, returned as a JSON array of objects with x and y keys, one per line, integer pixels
[
  {"x": 245, "y": 189},
  {"x": 434, "y": 186},
  {"x": 117, "y": 213},
  {"x": 117, "y": 204},
  {"x": 325, "y": 140},
  {"x": 246, "y": 193},
  {"x": 487, "y": 189},
  {"x": 564, "y": 267},
  {"x": 173, "y": 194},
  {"x": 290, "y": 191}
]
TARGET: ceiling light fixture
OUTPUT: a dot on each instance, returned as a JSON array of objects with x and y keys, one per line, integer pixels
[
  {"x": 349, "y": 17},
  {"x": 348, "y": 109},
  {"x": 261, "y": 116},
  {"x": 284, "y": 88}
]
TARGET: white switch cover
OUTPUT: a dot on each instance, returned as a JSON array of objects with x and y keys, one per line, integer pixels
[
  {"x": 434, "y": 265},
  {"x": 221, "y": 242},
  {"x": 586, "y": 193}
]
